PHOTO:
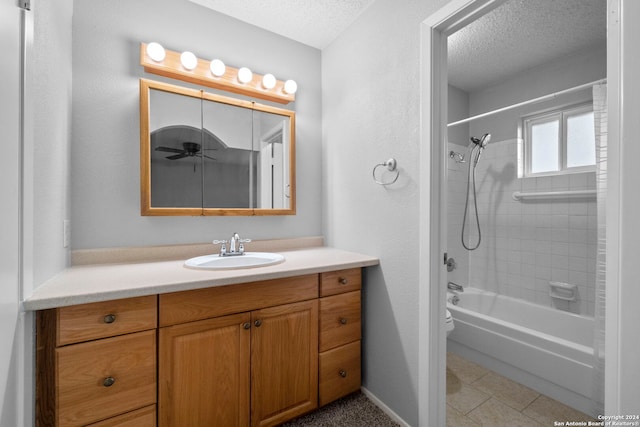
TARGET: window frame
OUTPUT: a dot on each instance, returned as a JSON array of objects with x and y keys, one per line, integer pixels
[{"x": 561, "y": 115}]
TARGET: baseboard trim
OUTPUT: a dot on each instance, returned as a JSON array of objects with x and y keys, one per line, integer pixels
[{"x": 395, "y": 417}]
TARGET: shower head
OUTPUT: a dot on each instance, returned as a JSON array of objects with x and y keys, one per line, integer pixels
[{"x": 483, "y": 141}]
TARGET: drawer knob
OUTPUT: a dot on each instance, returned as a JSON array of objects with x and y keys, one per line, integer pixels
[
  {"x": 343, "y": 280},
  {"x": 109, "y": 318},
  {"x": 342, "y": 373},
  {"x": 258, "y": 323},
  {"x": 108, "y": 382},
  {"x": 343, "y": 320},
  {"x": 247, "y": 325}
]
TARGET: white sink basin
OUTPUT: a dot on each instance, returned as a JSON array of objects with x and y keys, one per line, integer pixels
[{"x": 248, "y": 260}]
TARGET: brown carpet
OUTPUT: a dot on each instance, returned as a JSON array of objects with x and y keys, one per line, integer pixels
[{"x": 355, "y": 410}]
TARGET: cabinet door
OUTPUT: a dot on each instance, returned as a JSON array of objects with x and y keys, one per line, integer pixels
[
  {"x": 284, "y": 362},
  {"x": 204, "y": 373}
]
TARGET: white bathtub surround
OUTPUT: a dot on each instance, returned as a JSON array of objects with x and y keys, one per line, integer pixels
[
  {"x": 544, "y": 349},
  {"x": 525, "y": 244}
]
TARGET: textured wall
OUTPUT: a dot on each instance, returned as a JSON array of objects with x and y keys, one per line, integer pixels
[
  {"x": 371, "y": 111},
  {"x": 48, "y": 143},
  {"x": 105, "y": 148}
]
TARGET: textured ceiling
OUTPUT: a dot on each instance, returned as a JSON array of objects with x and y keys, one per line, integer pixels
[
  {"x": 313, "y": 22},
  {"x": 520, "y": 35},
  {"x": 516, "y": 36}
]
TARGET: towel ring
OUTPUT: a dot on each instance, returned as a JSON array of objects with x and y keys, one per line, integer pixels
[{"x": 391, "y": 166}]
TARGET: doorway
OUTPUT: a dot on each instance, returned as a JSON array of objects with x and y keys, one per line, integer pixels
[{"x": 454, "y": 16}]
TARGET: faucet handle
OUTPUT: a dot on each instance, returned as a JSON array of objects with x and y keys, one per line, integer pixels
[
  {"x": 241, "y": 244},
  {"x": 223, "y": 248}
]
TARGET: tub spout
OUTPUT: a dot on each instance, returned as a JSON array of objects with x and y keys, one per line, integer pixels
[{"x": 454, "y": 287}]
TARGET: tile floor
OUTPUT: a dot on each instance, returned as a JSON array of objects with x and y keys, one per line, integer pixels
[{"x": 479, "y": 397}]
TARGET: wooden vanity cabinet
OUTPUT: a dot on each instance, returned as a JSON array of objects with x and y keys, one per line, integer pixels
[
  {"x": 251, "y": 354},
  {"x": 258, "y": 367},
  {"x": 96, "y": 363},
  {"x": 340, "y": 334}
]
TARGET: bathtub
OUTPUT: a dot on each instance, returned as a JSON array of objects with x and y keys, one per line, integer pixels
[{"x": 548, "y": 350}]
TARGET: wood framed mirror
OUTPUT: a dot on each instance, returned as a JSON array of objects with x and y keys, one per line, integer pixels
[{"x": 207, "y": 154}]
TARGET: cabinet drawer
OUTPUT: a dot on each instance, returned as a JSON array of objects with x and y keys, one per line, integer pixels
[
  {"x": 339, "y": 372},
  {"x": 85, "y": 392},
  {"x": 337, "y": 282},
  {"x": 145, "y": 417},
  {"x": 340, "y": 320},
  {"x": 106, "y": 319},
  {"x": 188, "y": 306}
]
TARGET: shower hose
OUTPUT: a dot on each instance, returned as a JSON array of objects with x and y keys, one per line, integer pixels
[{"x": 471, "y": 180}]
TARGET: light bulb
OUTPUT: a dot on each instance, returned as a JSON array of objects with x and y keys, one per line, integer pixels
[
  {"x": 188, "y": 60},
  {"x": 290, "y": 87},
  {"x": 155, "y": 51},
  {"x": 268, "y": 81},
  {"x": 217, "y": 68},
  {"x": 244, "y": 75}
]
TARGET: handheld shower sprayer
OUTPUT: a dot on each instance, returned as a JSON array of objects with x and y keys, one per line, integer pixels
[{"x": 479, "y": 144}]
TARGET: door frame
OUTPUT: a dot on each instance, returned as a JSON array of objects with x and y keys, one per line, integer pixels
[{"x": 432, "y": 237}]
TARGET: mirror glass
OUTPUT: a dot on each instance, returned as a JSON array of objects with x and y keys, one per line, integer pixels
[{"x": 205, "y": 154}]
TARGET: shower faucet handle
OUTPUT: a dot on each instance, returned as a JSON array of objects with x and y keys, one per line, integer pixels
[{"x": 451, "y": 264}]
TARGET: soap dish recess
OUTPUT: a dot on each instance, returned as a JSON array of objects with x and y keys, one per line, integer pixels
[{"x": 563, "y": 291}]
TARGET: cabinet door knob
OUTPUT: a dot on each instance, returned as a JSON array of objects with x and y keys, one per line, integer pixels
[
  {"x": 247, "y": 325},
  {"x": 258, "y": 323},
  {"x": 343, "y": 280},
  {"x": 109, "y": 318},
  {"x": 108, "y": 382},
  {"x": 343, "y": 320},
  {"x": 342, "y": 373}
]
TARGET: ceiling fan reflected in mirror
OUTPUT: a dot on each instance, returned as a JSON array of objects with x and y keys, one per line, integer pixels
[{"x": 190, "y": 149}]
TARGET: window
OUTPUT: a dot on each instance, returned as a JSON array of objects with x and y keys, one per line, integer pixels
[{"x": 560, "y": 141}]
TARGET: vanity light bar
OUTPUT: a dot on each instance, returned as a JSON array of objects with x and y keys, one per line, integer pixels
[{"x": 256, "y": 85}]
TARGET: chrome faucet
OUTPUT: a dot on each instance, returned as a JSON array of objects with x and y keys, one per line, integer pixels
[
  {"x": 454, "y": 287},
  {"x": 234, "y": 239},
  {"x": 236, "y": 245}
]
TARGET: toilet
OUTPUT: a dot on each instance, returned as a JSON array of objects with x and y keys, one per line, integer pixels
[{"x": 449, "y": 323}]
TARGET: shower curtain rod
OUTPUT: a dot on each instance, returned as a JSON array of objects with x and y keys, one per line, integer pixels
[{"x": 531, "y": 101}]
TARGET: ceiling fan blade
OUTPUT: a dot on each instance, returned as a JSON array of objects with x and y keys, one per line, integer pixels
[
  {"x": 177, "y": 156},
  {"x": 209, "y": 157},
  {"x": 169, "y": 150}
]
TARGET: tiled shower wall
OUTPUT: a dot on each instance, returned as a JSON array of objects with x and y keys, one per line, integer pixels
[{"x": 525, "y": 244}]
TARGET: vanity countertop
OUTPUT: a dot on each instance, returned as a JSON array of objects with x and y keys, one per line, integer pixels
[{"x": 101, "y": 282}]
